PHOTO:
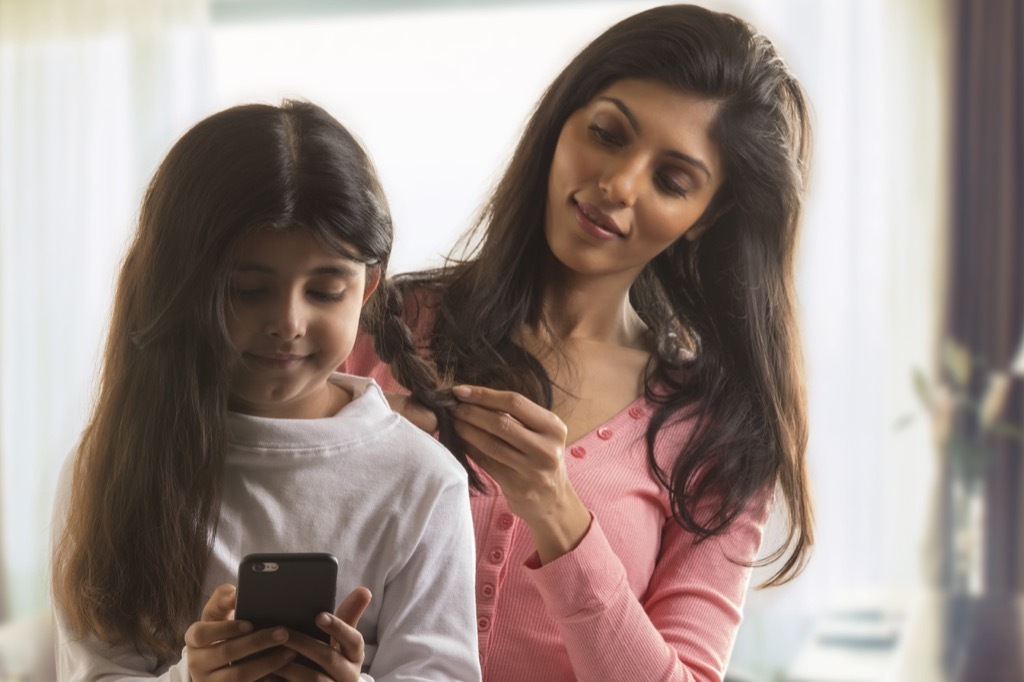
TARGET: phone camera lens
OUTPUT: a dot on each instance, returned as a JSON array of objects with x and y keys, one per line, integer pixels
[{"x": 258, "y": 567}]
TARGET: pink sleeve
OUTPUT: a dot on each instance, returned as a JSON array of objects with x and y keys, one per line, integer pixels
[{"x": 684, "y": 626}]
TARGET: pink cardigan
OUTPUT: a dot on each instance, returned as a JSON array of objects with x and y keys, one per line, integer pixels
[{"x": 638, "y": 599}]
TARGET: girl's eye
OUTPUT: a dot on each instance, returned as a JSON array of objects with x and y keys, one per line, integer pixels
[
  {"x": 670, "y": 185},
  {"x": 328, "y": 296},
  {"x": 247, "y": 293},
  {"x": 604, "y": 136}
]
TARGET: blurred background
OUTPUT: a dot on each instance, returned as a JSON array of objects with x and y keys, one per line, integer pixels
[{"x": 910, "y": 273}]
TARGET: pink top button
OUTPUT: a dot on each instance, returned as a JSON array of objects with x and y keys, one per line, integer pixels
[
  {"x": 487, "y": 590},
  {"x": 604, "y": 433},
  {"x": 505, "y": 521},
  {"x": 484, "y": 623},
  {"x": 578, "y": 451},
  {"x": 635, "y": 412},
  {"x": 496, "y": 556}
]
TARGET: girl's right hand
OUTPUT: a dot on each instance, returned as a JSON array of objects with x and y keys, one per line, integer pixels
[{"x": 215, "y": 641}]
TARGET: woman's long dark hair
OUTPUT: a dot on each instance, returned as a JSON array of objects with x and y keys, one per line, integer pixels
[
  {"x": 729, "y": 294},
  {"x": 132, "y": 559}
]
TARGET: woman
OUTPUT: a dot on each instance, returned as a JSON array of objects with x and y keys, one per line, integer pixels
[{"x": 623, "y": 335}]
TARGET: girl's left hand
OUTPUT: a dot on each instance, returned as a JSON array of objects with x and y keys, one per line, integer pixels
[
  {"x": 343, "y": 658},
  {"x": 521, "y": 446}
]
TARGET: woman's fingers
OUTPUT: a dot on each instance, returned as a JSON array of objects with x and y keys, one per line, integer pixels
[
  {"x": 519, "y": 407},
  {"x": 504, "y": 439},
  {"x": 495, "y": 433},
  {"x": 501, "y": 473},
  {"x": 521, "y": 445},
  {"x": 496, "y": 455}
]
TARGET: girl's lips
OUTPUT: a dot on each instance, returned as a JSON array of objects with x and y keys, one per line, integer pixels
[
  {"x": 276, "y": 360},
  {"x": 596, "y": 222}
]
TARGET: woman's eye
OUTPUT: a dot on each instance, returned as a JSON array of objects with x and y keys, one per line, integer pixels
[
  {"x": 604, "y": 136},
  {"x": 669, "y": 184}
]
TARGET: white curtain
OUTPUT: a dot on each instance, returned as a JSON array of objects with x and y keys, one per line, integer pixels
[
  {"x": 90, "y": 93},
  {"x": 870, "y": 288}
]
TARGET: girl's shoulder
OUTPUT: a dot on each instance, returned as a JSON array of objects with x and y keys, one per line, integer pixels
[{"x": 400, "y": 445}]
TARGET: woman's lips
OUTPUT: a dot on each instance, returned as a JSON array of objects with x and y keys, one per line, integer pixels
[{"x": 596, "y": 222}]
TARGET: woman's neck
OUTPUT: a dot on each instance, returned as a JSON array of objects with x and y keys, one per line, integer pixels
[{"x": 595, "y": 309}]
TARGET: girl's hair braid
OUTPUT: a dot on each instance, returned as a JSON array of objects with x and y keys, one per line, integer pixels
[{"x": 394, "y": 343}]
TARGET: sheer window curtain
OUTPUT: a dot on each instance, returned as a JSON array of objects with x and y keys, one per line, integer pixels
[
  {"x": 870, "y": 287},
  {"x": 90, "y": 93}
]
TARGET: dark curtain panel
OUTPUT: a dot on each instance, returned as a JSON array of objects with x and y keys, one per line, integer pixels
[{"x": 986, "y": 298}]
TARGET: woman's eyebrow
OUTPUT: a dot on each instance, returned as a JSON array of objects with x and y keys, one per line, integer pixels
[
  {"x": 635, "y": 125},
  {"x": 686, "y": 158},
  {"x": 621, "y": 106}
]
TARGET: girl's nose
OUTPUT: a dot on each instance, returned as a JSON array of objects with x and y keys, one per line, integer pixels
[
  {"x": 287, "y": 321},
  {"x": 622, "y": 180}
]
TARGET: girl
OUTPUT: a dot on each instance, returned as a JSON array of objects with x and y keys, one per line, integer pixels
[
  {"x": 221, "y": 429},
  {"x": 624, "y": 330}
]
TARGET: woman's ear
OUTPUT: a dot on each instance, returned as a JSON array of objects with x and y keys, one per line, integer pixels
[{"x": 372, "y": 280}]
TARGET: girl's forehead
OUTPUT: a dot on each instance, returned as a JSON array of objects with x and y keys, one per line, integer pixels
[{"x": 292, "y": 244}]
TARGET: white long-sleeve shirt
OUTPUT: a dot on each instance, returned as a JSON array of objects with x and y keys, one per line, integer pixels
[{"x": 365, "y": 485}]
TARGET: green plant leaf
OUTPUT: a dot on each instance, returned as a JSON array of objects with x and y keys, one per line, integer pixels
[
  {"x": 956, "y": 360},
  {"x": 923, "y": 388}
]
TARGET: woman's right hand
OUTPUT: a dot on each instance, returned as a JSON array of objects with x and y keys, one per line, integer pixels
[
  {"x": 521, "y": 446},
  {"x": 215, "y": 641}
]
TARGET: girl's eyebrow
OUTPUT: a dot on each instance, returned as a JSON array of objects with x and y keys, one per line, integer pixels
[
  {"x": 635, "y": 125},
  {"x": 336, "y": 270}
]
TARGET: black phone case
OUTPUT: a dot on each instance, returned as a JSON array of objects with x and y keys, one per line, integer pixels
[{"x": 289, "y": 590}]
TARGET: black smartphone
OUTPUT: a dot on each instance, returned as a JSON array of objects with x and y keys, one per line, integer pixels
[{"x": 289, "y": 590}]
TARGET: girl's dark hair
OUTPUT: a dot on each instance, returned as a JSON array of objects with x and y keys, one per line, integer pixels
[
  {"x": 727, "y": 295},
  {"x": 132, "y": 559}
]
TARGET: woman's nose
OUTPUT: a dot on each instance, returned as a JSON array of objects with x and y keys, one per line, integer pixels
[{"x": 622, "y": 180}]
